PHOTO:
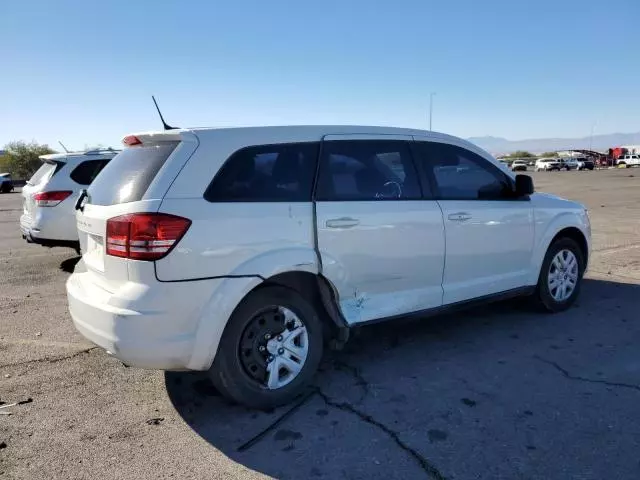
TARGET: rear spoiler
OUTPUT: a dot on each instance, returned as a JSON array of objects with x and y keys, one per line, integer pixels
[{"x": 143, "y": 138}]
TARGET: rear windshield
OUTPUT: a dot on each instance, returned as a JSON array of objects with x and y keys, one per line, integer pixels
[
  {"x": 44, "y": 173},
  {"x": 128, "y": 175}
]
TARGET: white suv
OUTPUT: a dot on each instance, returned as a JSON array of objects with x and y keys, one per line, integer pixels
[
  {"x": 244, "y": 251},
  {"x": 547, "y": 164},
  {"x": 49, "y": 196},
  {"x": 629, "y": 160}
]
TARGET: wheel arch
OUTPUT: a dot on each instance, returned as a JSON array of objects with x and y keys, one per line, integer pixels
[
  {"x": 319, "y": 291},
  {"x": 566, "y": 225},
  {"x": 577, "y": 236},
  {"x": 314, "y": 287}
]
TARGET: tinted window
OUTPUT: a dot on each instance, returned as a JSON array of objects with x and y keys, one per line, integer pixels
[
  {"x": 87, "y": 171},
  {"x": 266, "y": 173},
  {"x": 460, "y": 174},
  {"x": 128, "y": 175},
  {"x": 367, "y": 170}
]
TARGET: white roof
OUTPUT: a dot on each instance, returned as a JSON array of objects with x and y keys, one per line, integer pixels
[
  {"x": 94, "y": 154},
  {"x": 308, "y": 133}
]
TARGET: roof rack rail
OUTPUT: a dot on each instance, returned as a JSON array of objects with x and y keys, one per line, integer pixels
[{"x": 98, "y": 151}]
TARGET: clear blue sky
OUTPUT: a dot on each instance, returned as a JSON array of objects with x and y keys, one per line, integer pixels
[{"x": 83, "y": 71}]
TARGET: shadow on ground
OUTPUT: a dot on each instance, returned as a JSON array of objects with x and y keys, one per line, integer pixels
[
  {"x": 498, "y": 391},
  {"x": 69, "y": 264}
]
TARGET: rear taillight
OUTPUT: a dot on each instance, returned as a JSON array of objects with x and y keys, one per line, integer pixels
[
  {"x": 144, "y": 236},
  {"x": 50, "y": 199}
]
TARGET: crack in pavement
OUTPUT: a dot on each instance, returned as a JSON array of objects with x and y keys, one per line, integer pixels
[
  {"x": 427, "y": 466},
  {"x": 431, "y": 470},
  {"x": 355, "y": 372},
  {"x": 570, "y": 376},
  {"x": 256, "y": 438},
  {"x": 49, "y": 360}
]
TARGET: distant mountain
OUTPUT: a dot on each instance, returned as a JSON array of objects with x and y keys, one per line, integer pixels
[{"x": 499, "y": 146}]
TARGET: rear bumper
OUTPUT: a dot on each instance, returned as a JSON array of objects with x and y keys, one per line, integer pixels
[
  {"x": 50, "y": 228},
  {"x": 46, "y": 242},
  {"x": 143, "y": 326}
]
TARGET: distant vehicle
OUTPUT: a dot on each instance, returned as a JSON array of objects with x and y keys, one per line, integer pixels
[
  {"x": 242, "y": 252},
  {"x": 49, "y": 197},
  {"x": 6, "y": 183},
  {"x": 569, "y": 164},
  {"x": 519, "y": 166},
  {"x": 547, "y": 164},
  {"x": 504, "y": 165},
  {"x": 585, "y": 163},
  {"x": 628, "y": 160}
]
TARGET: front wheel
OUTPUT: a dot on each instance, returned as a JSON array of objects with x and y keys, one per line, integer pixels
[
  {"x": 270, "y": 349},
  {"x": 560, "y": 276}
]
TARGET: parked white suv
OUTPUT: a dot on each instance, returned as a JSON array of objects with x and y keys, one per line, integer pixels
[
  {"x": 629, "y": 160},
  {"x": 243, "y": 251},
  {"x": 547, "y": 164},
  {"x": 49, "y": 196}
]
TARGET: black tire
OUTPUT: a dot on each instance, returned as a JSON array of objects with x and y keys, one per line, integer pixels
[
  {"x": 227, "y": 372},
  {"x": 542, "y": 297}
]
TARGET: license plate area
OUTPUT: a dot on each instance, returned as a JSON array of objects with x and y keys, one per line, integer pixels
[{"x": 94, "y": 256}]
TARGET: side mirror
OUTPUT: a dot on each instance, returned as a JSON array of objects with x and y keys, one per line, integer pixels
[{"x": 524, "y": 185}]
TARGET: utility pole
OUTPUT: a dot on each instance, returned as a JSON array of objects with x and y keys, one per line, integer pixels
[
  {"x": 431, "y": 110},
  {"x": 593, "y": 126}
]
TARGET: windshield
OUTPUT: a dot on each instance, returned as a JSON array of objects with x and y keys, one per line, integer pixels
[{"x": 127, "y": 177}]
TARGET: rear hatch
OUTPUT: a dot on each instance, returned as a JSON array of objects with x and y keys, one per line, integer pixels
[
  {"x": 38, "y": 182},
  {"x": 133, "y": 182}
]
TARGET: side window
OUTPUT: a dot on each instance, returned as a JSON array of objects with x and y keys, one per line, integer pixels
[
  {"x": 87, "y": 171},
  {"x": 460, "y": 174},
  {"x": 367, "y": 170},
  {"x": 266, "y": 173}
]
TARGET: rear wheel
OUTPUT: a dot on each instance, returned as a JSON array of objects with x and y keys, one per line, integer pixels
[
  {"x": 270, "y": 349},
  {"x": 560, "y": 276}
]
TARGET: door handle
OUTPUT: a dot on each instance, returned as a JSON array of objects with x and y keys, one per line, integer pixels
[
  {"x": 344, "y": 222},
  {"x": 459, "y": 217}
]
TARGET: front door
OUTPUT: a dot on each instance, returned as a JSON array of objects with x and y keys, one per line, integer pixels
[
  {"x": 489, "y": 232},
  {"x": 381, "y": 244}
]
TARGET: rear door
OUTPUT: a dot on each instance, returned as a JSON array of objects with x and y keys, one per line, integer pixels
[
  {"x": 134, "y": 181},
  {"x": 489, "y": 232},
  {"x": 381, "y": 243}
]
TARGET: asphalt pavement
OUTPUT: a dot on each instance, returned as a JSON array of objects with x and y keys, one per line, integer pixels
[{"x": 498, "y": 392}]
